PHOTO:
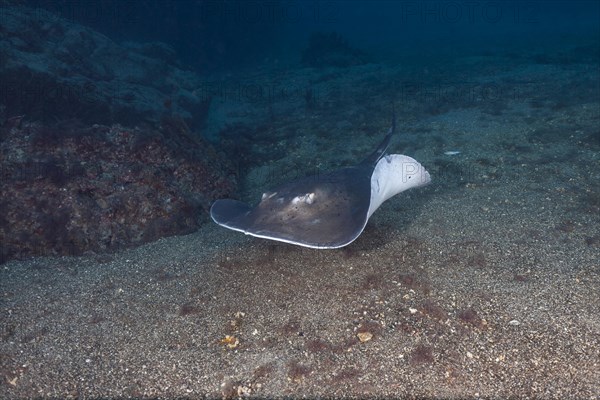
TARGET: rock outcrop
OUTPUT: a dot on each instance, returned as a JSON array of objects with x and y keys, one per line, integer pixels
[
  {"x": 52, "y": 69},
  {"x": 95, "y": 150},
  {"x": 73, "y": 188}
]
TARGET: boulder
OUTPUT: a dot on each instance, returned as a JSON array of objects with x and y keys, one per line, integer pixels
[{"x": 72, "y": 188}]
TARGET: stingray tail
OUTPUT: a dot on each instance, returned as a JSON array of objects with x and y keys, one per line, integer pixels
[{"x": 385, "y": 143}]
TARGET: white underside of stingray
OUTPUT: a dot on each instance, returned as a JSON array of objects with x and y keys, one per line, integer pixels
[
  {"x": 327, "y": 211},
  {"x": 392, "y": 175}
]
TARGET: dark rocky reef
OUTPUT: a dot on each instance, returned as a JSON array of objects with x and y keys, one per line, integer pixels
[
  {"x": 52, "y": 69},
  {"x": 72, "y": 188},
  {"x": 95, "y": 150},
  {"x": 330, "y": 49}
]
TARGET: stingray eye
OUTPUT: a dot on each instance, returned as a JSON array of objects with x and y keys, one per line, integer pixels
[{"x": 310, "y": 198}]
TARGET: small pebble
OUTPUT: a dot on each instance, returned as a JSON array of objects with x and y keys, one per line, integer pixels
[{"x": 364, "y": 336}]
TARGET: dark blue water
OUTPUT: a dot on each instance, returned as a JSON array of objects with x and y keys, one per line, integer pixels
[{"x": 213, "y": 35}]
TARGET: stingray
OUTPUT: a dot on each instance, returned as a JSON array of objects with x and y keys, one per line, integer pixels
[{"x": 325, "y": 211}]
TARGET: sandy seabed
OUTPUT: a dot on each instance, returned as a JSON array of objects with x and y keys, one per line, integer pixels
[{"x": 484, "y": 284}]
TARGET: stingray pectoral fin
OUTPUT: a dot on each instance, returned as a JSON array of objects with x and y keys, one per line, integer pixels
[
  {"x": 230, "y": 213},
  {"x": 394, "y": 174}
]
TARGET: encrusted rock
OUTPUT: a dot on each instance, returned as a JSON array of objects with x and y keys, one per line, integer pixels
[{"x": 70, "y": 188}]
